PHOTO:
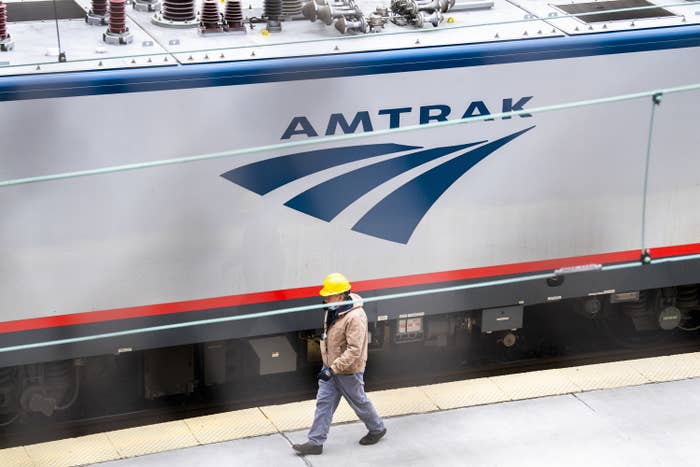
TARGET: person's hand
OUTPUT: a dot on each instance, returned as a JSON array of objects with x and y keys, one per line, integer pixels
[{"x": 325, "y": 374}]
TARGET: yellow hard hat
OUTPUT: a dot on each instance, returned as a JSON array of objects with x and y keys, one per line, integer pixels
[{"x": 334, "y": 284}]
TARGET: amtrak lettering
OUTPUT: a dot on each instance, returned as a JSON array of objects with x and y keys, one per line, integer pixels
[
  {"x": 393, "y": 218},
  {"x": 338, "y": 122}
]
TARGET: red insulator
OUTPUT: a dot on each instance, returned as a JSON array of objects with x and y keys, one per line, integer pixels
[
  {"x": 178, "y": 10},
  {"x": 117, "y": 16},
  {"x": 234, "y": 14},
  {"x": 3, "y": 21},
  {"x": 209, "y": 16},
  {"x": 99, "y": 7}
]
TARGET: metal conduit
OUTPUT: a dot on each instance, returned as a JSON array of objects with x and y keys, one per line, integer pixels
[
  {"x": 345, "y": 137},
  {"x": 298, "y": 309}
]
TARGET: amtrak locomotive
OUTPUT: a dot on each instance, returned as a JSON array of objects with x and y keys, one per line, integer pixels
[{"x": 542, "y": 206}]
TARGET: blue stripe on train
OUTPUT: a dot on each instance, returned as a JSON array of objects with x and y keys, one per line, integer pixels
[
  {"x": 264, "y": 176},
  {"x": 328, "y": 199},
  {"x": 395, "y": 217},
  {"x": 339, "y": 65}
]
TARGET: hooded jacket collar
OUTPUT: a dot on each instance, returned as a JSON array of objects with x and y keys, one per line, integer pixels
[{"x": 356, "y": 303}]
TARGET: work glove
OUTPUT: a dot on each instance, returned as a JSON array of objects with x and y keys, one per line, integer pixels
[{"x": 325, "y": 374}]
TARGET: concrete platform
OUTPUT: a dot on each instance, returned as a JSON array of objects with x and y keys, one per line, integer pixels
[
  {"x": 506, "y": 426},
  {"x": 649, "y": 425}
]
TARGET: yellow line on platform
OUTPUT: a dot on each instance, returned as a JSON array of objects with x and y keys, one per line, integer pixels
[{"x": 267, "y": 420}]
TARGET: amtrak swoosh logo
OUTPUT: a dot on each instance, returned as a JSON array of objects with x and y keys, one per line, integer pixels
[{"x": 393, "y": 218}]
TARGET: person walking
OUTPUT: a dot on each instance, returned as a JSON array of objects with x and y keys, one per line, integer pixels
[{"x": 344, "y": 353}]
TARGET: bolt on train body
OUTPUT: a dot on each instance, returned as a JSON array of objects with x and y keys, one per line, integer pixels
[{"x": 506, "y": 200}]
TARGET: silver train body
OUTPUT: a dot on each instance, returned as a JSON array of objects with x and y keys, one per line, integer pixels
[{"x": 396, "y": 212}]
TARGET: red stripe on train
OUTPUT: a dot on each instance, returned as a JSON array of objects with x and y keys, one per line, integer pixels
[{"x": 359, "y": 286}]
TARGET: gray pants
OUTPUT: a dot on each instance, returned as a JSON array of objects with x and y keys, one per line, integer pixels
[{"x": 352, "y": 387}]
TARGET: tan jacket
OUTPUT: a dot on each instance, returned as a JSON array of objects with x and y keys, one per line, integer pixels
[{"x": 344, "y": 350}]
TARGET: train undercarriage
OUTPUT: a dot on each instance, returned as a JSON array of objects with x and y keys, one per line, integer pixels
[{"x": 248, "y": 371}]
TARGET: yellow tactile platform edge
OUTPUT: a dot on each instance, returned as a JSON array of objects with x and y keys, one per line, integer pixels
[{"x": 299, "y": 415}]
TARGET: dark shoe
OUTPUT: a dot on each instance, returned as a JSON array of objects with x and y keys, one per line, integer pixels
[
  {"x": 372, "y": 438},
  {"x": 308, "y": 448}
]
